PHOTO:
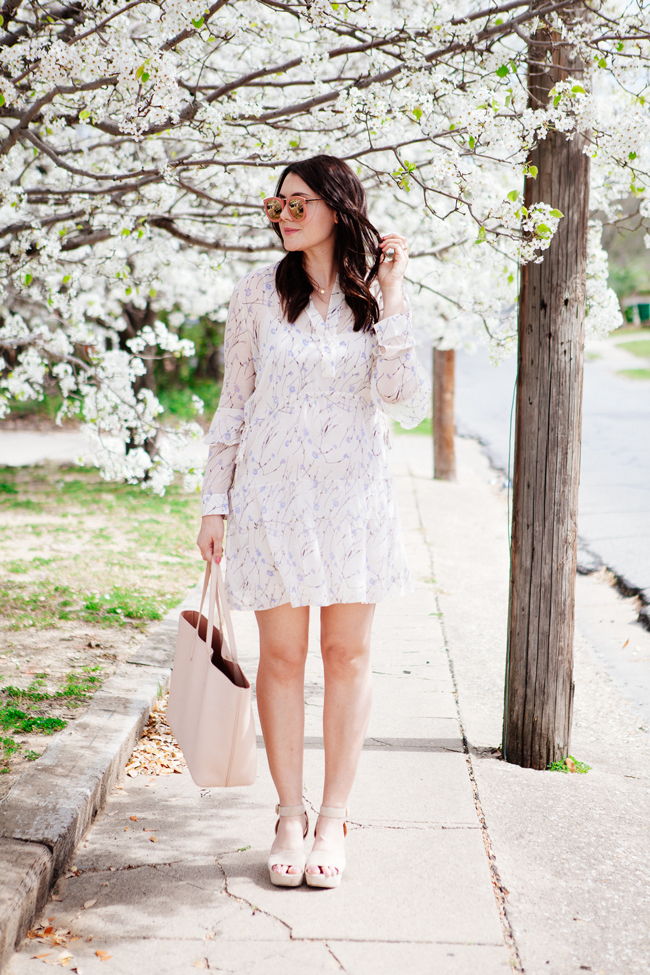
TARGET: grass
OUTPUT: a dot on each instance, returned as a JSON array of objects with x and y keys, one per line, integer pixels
[
  {"x": 28, "y": 710},
  {"x": 76, "y": 551},
  {"x": 640, "y": 347},
  {"x": 76, "y": 688},
  {"x": 75, "y": 548},
  {"x": 634, "y": 373},
  {"x": 569, "y": 764},
  {"x": 177, "y": 400},
  {"x": 426, "y": 427}
]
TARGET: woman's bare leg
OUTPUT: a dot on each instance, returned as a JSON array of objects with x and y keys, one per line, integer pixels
[
  {"x": 280, "y": 694},
  {"x": 345, "y": 646}
]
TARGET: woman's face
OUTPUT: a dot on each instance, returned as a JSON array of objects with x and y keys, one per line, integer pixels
[{"x": 317, "y": 227}]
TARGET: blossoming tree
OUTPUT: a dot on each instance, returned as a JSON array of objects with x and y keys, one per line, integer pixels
[{"x": 138, "y": 138}]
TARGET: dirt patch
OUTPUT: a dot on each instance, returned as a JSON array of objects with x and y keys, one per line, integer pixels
[
  {"x": 86, "y": 569},
  {"x": 63, "y": 667}
]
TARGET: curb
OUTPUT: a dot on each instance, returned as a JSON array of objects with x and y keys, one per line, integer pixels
[{"x": 46, "y": 813}]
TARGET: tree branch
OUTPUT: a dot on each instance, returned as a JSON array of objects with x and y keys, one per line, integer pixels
[{"x": 165, "y": 223}]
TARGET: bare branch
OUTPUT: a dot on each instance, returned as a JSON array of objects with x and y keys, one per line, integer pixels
[
  {"x": 17, "y": 228},
  {"x": 164, "y": 223}
]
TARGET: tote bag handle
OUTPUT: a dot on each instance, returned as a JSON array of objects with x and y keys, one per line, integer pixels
[{"x": 213, "y": 580}]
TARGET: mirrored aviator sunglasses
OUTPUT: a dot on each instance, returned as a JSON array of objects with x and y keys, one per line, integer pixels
[{"x": 297, "y": 205}]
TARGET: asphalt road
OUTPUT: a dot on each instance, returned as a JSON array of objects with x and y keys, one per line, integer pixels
[{"x": 614, "y": 518}]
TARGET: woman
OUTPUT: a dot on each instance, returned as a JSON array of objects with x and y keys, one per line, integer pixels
[{"x": 316, "y": 347}]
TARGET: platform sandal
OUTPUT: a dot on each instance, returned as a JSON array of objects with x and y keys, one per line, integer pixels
[
  {"x": 325, "y": 857},
  {"x": 292, "y": 858}
]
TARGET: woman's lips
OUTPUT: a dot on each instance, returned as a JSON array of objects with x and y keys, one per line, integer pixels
[{"x": 287, "y": 231}]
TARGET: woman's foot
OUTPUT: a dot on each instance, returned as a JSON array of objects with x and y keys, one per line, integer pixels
[
  {"x": 326, "y": 862},
  {"x": 287, "y": 859},
  {"x": 288, "y": 837}
]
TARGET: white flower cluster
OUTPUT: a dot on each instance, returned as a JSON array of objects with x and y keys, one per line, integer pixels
[{"x": 138, "y": 141}]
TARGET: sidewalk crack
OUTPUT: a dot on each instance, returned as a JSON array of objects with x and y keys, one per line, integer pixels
[
  {"x": 254, "y": 908},
  {"x": 337, "y": 960},
  {"x": 498, "y": 887}
]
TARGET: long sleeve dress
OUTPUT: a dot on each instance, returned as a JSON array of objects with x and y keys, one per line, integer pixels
[{"x": 298, "y": 451}]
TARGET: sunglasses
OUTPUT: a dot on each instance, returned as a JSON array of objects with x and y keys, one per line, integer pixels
[{"x": 274, "y": 207}]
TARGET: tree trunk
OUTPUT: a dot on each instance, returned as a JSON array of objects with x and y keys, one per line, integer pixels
[
  {"x": 539, "y": 670},
  {"x": 136, "y": 319},
  {"x": 444, "y": 457}
]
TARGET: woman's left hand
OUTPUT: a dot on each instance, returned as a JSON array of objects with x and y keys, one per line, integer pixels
[{"x": 391, "y": 272}]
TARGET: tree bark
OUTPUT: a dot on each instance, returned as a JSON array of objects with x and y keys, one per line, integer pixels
[
  {"x": 539, "y": 670},
  {"x": 136, "y": 319},
  {"x": 444, "y": 456}
]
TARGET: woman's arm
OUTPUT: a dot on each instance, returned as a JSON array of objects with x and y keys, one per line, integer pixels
[
  {"x": 399, "y": 378},
  {"x": 226, "y": 427}
]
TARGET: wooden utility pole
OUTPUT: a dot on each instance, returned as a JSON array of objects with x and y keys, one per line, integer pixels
[
  {"x": 539, "y": 671},
  {"x": 444, "y": 457}
]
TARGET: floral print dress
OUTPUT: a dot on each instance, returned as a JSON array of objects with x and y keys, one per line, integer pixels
[{"x": 298, "y": 451}]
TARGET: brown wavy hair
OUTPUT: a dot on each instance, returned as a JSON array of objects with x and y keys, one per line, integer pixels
[{"x": 356, "y": 251}]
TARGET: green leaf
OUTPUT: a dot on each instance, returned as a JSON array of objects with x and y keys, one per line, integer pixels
[
  {"x": 542, "y": 230},
  {"x": 532, "y": 171},
  {"x": 418, "y": 113},
  {"x": 126, "y": 232},
  {"x": 556, "y": 213},
  {"x": 2, "y": 20},
  {"x": 557, "y": 100},
  {"x": 84, "y": 114},
  {"x": 28, "y": 279},
  {"x": 335, "y": 6},
  {"x": 2, "y": 99},
  {"x": 512, "y": 196},
  {"x": 452, "y": 127},
  {"x": 602, "y": 63},
  {"x": 152, "y": 292},
  {"x": 294, "y": 143},
  {"x": 67, "y": 278},
  {"x": 145, "y": 77},
  {"x": 578, "y": 90},
  {"x": 502, "y": 71},
  {"x": 481, "y": 235},
  {"x": 498, "y": 21},
  {"x": 198, "y": 23},
  {"x": 632, "y": 156},
  {"x": 128, "y": 291},
  {"x": 472, "y": 141},
  {"x": 511, "y": 278}
]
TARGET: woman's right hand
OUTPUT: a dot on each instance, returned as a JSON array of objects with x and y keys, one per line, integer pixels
[{"x": 210, "y": 539}]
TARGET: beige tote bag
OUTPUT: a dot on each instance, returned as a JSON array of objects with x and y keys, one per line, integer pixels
[{"x": 209, "y": 708}]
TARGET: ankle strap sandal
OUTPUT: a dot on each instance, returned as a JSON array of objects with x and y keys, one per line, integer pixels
[
  {"x": 325, "y": 857},
  {"x": 292, "y": 858}
]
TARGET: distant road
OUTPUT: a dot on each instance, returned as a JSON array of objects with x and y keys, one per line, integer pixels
[{"x": 614, "y": 519}]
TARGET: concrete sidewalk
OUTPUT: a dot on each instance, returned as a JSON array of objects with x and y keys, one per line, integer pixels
[{"x": 458, "y": 864}]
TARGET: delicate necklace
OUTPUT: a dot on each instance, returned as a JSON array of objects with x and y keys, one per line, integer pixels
[{"x": 323, "y": 290}]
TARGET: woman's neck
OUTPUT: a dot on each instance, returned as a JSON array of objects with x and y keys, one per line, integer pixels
[{"x": 320, "y": 265}]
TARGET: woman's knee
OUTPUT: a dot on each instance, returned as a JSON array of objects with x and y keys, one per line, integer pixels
[
  {"x": 345, "y": 659},
  {"x": 286, "y": 661}
]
